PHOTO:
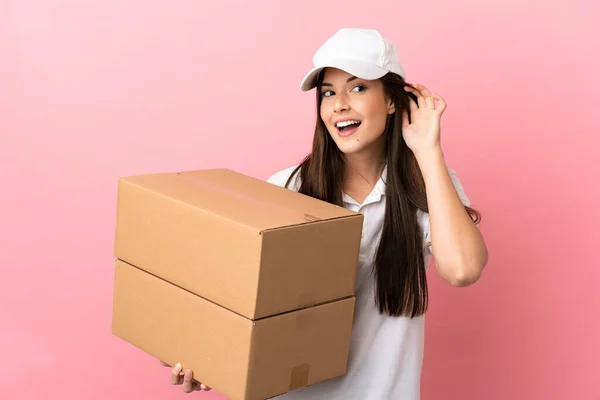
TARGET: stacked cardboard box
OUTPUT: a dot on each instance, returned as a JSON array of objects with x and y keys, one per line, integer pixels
[{"x": 248, "y": 284}]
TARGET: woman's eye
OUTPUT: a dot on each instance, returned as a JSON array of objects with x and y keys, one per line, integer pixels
[
  {"x": 359, "y": 88},
  {"x": 327, "y": 93}
]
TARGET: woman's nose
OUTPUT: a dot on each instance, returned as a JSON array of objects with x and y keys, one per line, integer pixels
[{"x": 341, "y": 103}]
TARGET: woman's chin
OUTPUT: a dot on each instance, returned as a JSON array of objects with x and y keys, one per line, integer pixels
[
  {"x": 355, "y": 144},
  {"x": 351, "y": 146}
]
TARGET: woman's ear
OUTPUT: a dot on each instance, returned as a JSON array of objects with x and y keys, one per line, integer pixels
[{"x": 391, "y": 107}]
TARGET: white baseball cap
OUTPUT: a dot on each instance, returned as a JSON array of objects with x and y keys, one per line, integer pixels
[{"x": 363, "y": 53}]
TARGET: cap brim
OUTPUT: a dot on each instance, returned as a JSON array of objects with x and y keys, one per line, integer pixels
[{"x": 359, "y": 69}]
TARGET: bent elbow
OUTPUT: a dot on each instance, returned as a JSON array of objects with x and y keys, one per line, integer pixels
[
  {"x": 465, "y": 278},
  {"x": 467, "y": 274},
  {"x": 464, "y": 270}
]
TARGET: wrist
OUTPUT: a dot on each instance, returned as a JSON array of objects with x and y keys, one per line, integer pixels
[{"x": 429, "y": 157}]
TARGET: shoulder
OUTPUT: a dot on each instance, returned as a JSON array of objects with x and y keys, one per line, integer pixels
[{"x": 280, "y": 178}]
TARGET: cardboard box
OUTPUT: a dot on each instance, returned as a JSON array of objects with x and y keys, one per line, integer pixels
[
  {"x": 248, "y": 284},
  {"x": 239, "y": 358},
  {"x": 252, "y": 247}
]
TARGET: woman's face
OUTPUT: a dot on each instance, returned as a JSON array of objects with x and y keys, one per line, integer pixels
[{"x": 354, "y": 111}]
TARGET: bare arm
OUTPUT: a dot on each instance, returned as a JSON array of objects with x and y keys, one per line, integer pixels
[{"x": 457, "y": 244}]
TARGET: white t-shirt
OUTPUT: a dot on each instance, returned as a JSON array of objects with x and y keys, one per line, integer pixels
[{"x": 386, "y": 352}]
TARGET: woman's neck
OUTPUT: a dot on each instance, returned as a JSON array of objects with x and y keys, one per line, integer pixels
[
  {"x": 367, "y": 164},
  {"x": 361, "y": 174},
  {"x": 370, "y": 169}
]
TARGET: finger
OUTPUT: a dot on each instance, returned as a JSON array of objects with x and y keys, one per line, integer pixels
[
  {"x": 423, "y": 89},
  {"x": 417, "y": 93},
  {"x": 412, "y": 90},
  {"x": 204, "y": 387},
  {"x": 422, "y": 94},
  {"x": 176, "y": 377},
  {"x": 197, "y": 386},
  {"x": 427, "y": 95},
  {"x": 188, "y": 382},
  {"x": 442, "y": 106},
  {"x": 430, "y": 103}
]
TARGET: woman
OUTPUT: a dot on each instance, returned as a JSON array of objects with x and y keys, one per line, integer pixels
[{"x": 377, "y": 151}]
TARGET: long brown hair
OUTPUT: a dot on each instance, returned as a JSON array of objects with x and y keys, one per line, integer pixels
[{"x": 399, "y": 264}]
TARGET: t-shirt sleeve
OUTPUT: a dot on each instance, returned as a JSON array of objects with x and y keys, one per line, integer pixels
[
  {"x": 463, "y": 198},
  {"x": 459, "y": 188},
  {"x": 280, "y": 178}
]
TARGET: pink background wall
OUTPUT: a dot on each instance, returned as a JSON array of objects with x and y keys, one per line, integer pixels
[{"x": 93, "y": 90}]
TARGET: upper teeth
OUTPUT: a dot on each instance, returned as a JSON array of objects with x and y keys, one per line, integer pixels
[{"x": 346, "y": 123}]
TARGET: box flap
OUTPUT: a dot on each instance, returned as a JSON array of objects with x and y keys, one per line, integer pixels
[{"x": 246, "y": 200}]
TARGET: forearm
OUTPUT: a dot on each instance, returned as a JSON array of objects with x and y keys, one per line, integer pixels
[{"x": 457, "y": 244}]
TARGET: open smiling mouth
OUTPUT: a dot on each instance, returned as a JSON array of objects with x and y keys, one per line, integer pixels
[{"x": 346, "y": 128}]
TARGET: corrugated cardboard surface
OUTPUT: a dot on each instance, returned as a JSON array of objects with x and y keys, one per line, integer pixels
[
  {"x": 231, "y": 195},
  {"x": 238, "y": 357},
  {"x": 250, "y": 246}
]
